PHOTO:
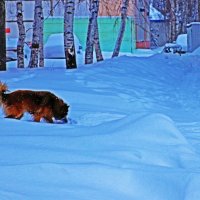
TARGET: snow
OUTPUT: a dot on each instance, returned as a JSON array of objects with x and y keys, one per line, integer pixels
[
  {"x": 133, "y": 132},
  {"x": 196, "y": 51},
  {"x": 155, "y": 14},
  {"x": 194, "y": 23},
  {"x": 182, "y": 40}
]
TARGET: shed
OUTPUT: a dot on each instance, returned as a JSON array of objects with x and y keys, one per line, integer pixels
[{"x": 193, "y": 36}]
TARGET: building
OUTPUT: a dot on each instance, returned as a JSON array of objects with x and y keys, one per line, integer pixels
[
  {"x": 137, "y": 34},
  {"x": 159, "y": 28},
  {"x": 193, "y": 33}
]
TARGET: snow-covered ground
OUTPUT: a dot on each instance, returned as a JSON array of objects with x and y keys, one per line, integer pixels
[{"x": 133, "y": 132}]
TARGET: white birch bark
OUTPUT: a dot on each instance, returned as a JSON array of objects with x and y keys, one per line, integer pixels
[
  {"x": 36, "y": 35},
  {"x": 2, "y": 36},
  {"x": 122, "y": 27},
  {"x": 22, "y": 35},
  {"x": 69, "y": 47},
  {"x": 41, "y": 41}
]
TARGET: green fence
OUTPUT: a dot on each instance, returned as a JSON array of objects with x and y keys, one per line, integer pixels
[{"x": 108, "y": 31}]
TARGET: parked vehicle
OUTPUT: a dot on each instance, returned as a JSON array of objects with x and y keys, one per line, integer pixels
[
  {"x": 182, "y": 40},
  {"x": 54, "y": 47},
  {"x": 11, "y": 49},
  {"x": 179, "y": 46}
]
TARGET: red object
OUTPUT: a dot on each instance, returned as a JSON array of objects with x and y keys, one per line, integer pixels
[
  {"x": 7, "y": 30},
  {"x": 143, "y": 45}
]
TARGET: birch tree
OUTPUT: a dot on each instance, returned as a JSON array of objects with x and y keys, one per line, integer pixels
[
  {"x": 172, "y": 21},
  {"x": 195, "y": 10},
  {"x": 93, "y": 34},
  {"x": 36, "y": 34},
  {"x": 22, "y": 35},
  {"x": 99, "y": 56},
  {"x": 122, "y": 27},
  {"x": 2, "y": 36},
  {"x": 41, "y": 40},
  {"x": 69, "y": 47},
  {"x": 179, "y": 13}
]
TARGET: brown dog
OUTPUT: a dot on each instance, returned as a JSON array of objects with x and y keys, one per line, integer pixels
[{"x": 41, "y": 104}]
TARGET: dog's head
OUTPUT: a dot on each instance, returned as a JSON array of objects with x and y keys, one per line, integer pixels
[{"x": 60, "y": 110}]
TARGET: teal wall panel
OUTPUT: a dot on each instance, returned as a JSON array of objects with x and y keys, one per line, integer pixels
[{"x": 108, "y": 31}]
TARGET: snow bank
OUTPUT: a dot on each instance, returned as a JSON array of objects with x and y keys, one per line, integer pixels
[
  {"x": 133, "y": 133},
  {"x": 126, "y": 159},
  {"x": 196, "y": 51}
]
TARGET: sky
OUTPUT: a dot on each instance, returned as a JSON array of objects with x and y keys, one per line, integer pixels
[{"x": 133, "y": 131}]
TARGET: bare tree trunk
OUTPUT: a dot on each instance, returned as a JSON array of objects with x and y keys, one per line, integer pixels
[
  {"x": 184, "y": 9},
  {"x": 173, "y": 21},
  {"x": 41, "y": 41},
  {"x": 93, "y": 34},
  {"x": 178, "y": 16},
  {"x": 2, "y": 36},
  {"x": 51, "y": 7},
  {"x": 97, "y": 47},
  {"x": 195, "y": 10},
  {"x": 70, "y": 52},
  {"x": 179, "y": 13},
  {"x": 36, "y": 35},
  {"x": 198, "y": 11},
  {"x": 122, "y": 27},
  {"x": 22, "y": 35},
  {"x": 90, "y": 34}
]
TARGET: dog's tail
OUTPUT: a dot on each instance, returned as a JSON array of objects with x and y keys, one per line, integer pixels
[{"x": 3, "y": 89}]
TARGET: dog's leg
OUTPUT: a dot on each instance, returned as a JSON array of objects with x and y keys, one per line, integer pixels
[
  {"x": 37, "y": 117},
  {"x": 19, "y": 116},
  {"x": 47, "y": 114},
  {"x": 13, "y": 112},
  {"x": 14, "y": 117},
  {"x": 48, "y": 119},
  {"x": 10, "y": 116}
]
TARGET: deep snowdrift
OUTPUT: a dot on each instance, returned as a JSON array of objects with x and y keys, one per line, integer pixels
[{"x": 133, "y": 133}]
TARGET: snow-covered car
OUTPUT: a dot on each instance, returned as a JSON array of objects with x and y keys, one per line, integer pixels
[
  {"x": 11, "y": 49},
  {"x": 179, "y": 46},
  {"x": 172, "y": 48},
  {"x": 54, "y": 47},
  {"x": 182, "y": 40}
]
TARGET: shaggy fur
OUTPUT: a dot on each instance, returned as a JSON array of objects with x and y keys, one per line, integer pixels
[{"x": 41, "y": 104}]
